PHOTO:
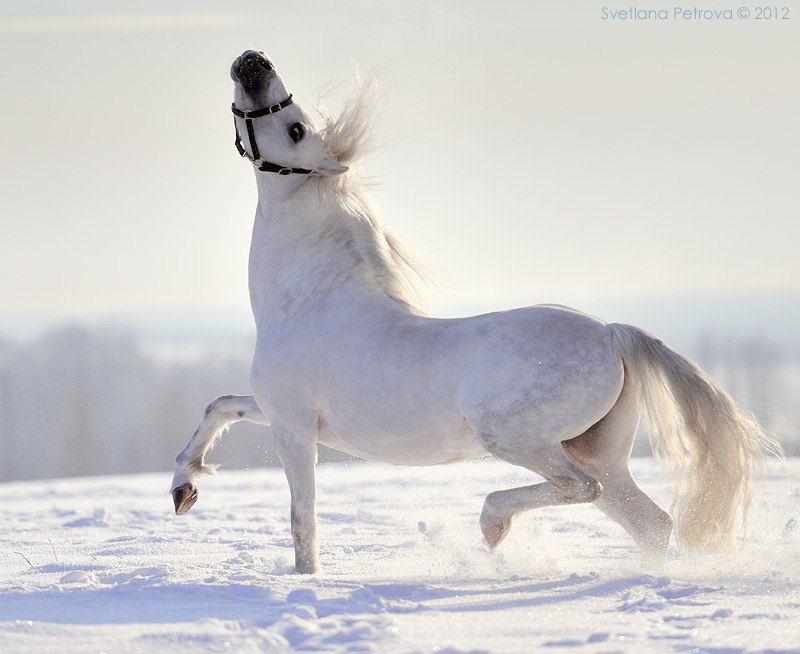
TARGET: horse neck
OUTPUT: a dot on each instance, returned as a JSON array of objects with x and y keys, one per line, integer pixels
[{"x": 308, "y": 244}]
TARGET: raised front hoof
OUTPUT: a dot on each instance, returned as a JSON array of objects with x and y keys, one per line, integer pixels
[
  {"x": 184, "y": 497},
  {"x": 494, "y": 534}
]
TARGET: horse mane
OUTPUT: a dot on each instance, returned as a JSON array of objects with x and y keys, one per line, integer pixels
[
  {"x": 348, "y": 135},
  {"x": 399, "y": 271}
]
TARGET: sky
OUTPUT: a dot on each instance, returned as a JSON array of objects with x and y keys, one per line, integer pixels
[{"x": 531, "y": 151}]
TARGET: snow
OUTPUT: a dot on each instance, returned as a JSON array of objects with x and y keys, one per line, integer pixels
[{"x": 102, "y": 565}]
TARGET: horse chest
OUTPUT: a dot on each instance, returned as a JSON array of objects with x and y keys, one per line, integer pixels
[{"x": 282, "y": 354}]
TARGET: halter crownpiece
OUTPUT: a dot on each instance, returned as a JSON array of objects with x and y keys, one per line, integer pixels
[{"x": 249, "y": 115}]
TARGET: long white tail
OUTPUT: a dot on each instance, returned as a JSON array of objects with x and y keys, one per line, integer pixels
[{"x": 713, "y": 447}]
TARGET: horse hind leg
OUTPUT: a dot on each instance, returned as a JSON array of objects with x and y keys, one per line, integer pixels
[
  {"x": 604, "y": 451},
  {"x": 565, "y": 483},
  {"x": 592, "y": 467},
  {"x": 649, "y": 525}
]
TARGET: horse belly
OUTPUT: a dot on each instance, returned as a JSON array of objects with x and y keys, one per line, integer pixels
[{"x": 401, "y": 439}]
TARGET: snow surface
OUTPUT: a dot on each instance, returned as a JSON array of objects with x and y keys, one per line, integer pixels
[{"x": 102, "y": 565}]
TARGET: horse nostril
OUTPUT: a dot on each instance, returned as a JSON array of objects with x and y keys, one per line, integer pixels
[
  {"x": 251, "y": 68},
  {"x": 253, "y": 57}
]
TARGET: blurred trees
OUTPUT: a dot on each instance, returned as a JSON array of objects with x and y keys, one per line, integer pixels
[{"x": 79, "y": 401}]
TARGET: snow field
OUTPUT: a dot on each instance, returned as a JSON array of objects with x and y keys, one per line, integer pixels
[{"x": 102, "y": 564}]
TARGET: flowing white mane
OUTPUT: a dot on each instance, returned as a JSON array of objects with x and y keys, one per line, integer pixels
[
  {"x": 398, "y": 269},
  {"x": 348, "y": 136}
]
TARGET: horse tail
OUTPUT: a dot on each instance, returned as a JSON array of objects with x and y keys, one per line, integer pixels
[{"x": 713, "y": 447}]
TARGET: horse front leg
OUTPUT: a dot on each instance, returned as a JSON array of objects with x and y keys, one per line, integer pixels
[
  {"x": 190, "y": 463},
  {"x": 299, "y": 459}
]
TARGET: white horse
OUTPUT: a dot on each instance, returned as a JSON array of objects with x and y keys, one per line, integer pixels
[{"x": 346, "y": 356}]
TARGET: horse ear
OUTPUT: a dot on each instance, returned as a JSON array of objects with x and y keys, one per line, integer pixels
[{"x": 330, "y": 167}]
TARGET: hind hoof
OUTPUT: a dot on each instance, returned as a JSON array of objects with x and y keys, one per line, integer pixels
[
  {"x": 184, "y": 497},
  {"x": 494, "y": 534}
]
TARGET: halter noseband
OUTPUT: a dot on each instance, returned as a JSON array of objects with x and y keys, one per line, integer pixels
[{"x": 248, "y": 115}]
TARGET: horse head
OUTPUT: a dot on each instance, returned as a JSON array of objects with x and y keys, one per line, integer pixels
[{"x": 273, "y": 131}]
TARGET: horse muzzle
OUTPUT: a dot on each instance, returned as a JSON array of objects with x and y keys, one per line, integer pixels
[{"x": 251, "y": 69}]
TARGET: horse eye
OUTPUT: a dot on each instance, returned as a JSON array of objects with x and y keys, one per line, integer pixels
[{"x": 297, "y": 131}]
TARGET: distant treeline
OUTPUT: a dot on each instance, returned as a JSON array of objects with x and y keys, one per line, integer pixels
[{"x": 80, "y": 401}]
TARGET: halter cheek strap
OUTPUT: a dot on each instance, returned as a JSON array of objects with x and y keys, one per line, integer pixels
[{"x": 249, "y": 115}]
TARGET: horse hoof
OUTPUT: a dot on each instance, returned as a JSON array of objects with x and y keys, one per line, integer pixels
[
  {"x": 184, "y": 497},
  {"x": 494, "y": 534}
]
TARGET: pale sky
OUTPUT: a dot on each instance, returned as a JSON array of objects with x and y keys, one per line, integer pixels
[{"x": 531, "y": 151}]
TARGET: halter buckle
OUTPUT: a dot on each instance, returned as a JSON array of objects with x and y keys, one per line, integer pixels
[{"x": 285, "y": 171}]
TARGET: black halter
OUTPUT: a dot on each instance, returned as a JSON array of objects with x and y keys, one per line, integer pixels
[{"x": 249, "y": 115}]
